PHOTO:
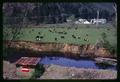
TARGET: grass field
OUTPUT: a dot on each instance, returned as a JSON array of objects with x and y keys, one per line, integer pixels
[{"x": 81, "y": 34}]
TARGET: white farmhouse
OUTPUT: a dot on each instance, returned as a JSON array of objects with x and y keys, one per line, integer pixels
[
  {"x": 68, "y": 20},
  {"x": 92, "y": 21},
  {"x": 86, "y": 22},
  {"x": 101, "y": 21},
  {"x": 77, "y": 22},
  {"x": 82, "y": 20}
]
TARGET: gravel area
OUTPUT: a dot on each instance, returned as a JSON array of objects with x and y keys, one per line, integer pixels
[
  {"x": 60, "y": 72},
  {"x": 9, "y": 70}
]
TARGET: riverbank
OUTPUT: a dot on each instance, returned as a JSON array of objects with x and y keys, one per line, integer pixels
[
  {"x": 61, "y": 72},
  {"x": 69, "y": 50},
  {"x": 9, "y": 70}
]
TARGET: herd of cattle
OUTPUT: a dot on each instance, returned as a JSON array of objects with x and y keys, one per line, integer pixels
[{"x": 62, "y": 33}]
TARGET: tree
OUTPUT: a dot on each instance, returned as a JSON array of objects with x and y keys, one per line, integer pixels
[
  {"x": 107, "y": 45},
  {"x": 72, "y": 17},
  {"x": 115, "y": 9},
  {"x": 17, "y": 22}
]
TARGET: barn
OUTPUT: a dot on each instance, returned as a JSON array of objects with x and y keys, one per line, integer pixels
[{"x": 26, "y": 66}]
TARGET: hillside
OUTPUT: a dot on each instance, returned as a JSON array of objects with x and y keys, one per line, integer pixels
[{"x": 55, "y": 12}]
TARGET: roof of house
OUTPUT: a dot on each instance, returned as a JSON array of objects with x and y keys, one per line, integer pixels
[{"x": 27, "y": 61}]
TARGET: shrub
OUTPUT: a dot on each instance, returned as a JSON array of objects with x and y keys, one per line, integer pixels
[
  {"x": 107, "y": 45},
  {"x": 39, "y": 70},
  {"x": 104, "y": 36}
]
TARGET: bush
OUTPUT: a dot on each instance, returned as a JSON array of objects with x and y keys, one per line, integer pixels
[
  {"x": 39, "y": 70},
  {"x": 104, "y": 35},
  {"x": 107, "y": 45}
]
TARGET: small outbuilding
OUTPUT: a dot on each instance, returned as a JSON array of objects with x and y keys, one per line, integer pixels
[{"x": 26, "y": 66}]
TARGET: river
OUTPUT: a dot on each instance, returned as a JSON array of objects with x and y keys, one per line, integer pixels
[
  {"x": 81, "y": 63},
  {"x": 63, "y": 61}
]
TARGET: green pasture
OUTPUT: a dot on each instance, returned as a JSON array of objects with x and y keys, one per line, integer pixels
[{"x": 93, "y": 34}]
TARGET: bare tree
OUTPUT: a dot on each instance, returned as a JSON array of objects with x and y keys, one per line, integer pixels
[
  {"x": 16, "y": 28},
  {"x": 115, "y": 9},
  {"x": 97, "y": 18}
]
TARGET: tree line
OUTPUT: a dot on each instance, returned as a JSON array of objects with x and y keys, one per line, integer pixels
[{"x": 51, "y": 13}]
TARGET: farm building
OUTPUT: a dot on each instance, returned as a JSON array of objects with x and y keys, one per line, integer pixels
[
  {"x": 86, "y": 22},
  {"x": 26, "y": 66},
  {"x": 77, "y": 22},
  {"x": 82, "y": 21},
  {"x": 92, "y": 21},
  {"x": 101, "y": 21},
  {"x": 68, "y": 20}
]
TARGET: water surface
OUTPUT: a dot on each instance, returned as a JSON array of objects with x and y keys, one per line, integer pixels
[{"x": 81, "y": 63}]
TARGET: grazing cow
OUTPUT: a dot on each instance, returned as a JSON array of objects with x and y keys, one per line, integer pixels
[
  {"x": 39, "y": 33},
  {"x": 76, "y": 28},
  {"x": 73, "y": 36},
  {"x": 62, "y": 36},
  {"x": 41, "y": 37},
  {"x": 108, "y": 29},
  {"x": 60, "y": 32},
  {"x": 50, "y": 30},
  {"x": 86, "y": 34},
  {"x": 85, "y": 39},
  {"x": 32, "y": 29},
  {"x": 56, "y": 39},
  {"x": 37, "y": 38},
  {"x": 65, "y": 32},
  {"x": 29, "y": 31},
  {"x": 79, "y": 37},
  {"x": 18, "y": 32}
]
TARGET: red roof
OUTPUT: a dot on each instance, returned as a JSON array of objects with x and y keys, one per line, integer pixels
[{"x": 28, "y": 61}]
